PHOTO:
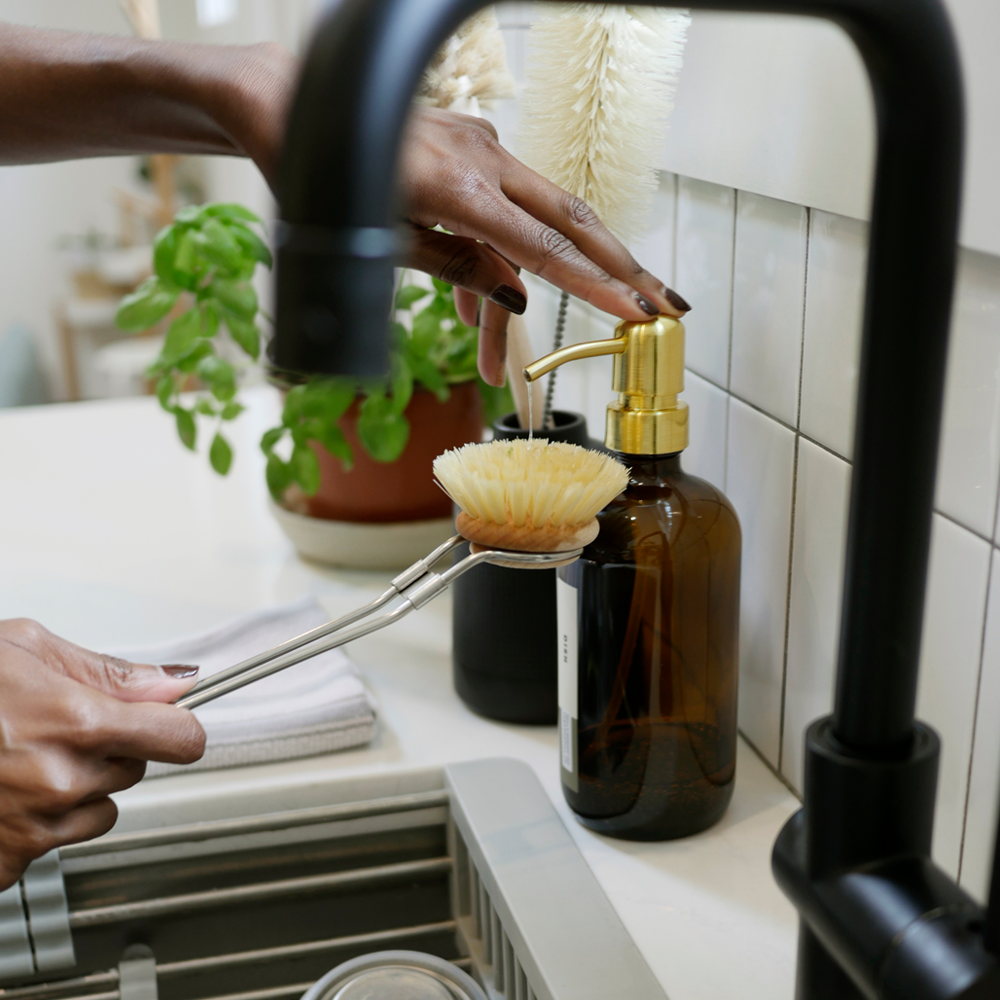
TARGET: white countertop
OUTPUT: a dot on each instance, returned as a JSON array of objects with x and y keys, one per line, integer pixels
[{"x": 111, "y": 534}]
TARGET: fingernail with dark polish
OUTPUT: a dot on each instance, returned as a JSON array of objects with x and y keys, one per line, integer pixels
[
  {"x": 675, "y": 300},
  {"x": 646, "y": 306},
  {"x": 179, "y": 670},
  {"x": 510, "y": 298}
]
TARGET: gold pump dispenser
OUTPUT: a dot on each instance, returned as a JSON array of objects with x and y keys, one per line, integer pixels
[{"x": 647, "y": 418}]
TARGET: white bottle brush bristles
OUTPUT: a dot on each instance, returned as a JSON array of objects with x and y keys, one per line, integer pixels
[
  {"x": 600, "y": 90},
  {"x": 470, "y": 69},
  {"x": 601, "y": 86}
]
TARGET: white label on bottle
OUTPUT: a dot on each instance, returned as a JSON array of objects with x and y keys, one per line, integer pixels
[{"x": 569, "y": 666}]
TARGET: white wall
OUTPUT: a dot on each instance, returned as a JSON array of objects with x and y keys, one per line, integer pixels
[
  {"x": 41, "y": 204},
  {"x": 781, "y": 106}
]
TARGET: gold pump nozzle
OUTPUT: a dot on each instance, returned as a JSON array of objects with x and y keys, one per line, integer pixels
[{"x": 647, "y": 418}]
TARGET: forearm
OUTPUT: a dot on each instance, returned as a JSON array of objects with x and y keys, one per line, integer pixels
[{"x": 64, "y": 96}]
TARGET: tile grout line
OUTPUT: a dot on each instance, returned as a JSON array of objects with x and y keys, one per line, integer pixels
[
  {"x": 836, "y": 454},
  {"x": 788, "y": 606},
  {"x": 795, "y": 487},
  {"x": 753, "y": 746},
  {"x": 732, "y": 293},
  {"x": 805, "y": 295},
  {"x": 979, "y": 686},
  {"x": 972, "y": 531}
]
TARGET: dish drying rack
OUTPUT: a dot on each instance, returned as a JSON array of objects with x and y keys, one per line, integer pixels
[{"x": 470, "y": 862}]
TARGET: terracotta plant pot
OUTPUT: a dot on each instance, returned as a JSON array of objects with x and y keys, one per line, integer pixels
[{"x": 404, "y": 490}]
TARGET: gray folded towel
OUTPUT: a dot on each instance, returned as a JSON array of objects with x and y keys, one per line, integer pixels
[{"x": 315, "y": 707}]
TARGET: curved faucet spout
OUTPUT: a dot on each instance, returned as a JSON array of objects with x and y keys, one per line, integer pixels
[
  {"x": 339, "y": 240},
  {"x": 338, "y": 243}
]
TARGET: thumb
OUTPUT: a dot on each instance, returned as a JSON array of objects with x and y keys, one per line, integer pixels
[{"x": 128, "y": 681}]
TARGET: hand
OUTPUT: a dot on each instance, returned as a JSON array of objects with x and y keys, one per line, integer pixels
[
  {"x": 76, "y": 726},
  {"x": 504, "y": 217}
]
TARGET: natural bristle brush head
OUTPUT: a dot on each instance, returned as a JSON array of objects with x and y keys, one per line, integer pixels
[{"x": 529, "y": 496}]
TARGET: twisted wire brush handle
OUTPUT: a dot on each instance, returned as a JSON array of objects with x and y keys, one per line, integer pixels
[
  {"x": 415, "y": 586},
  {"x": 550, "y": 389}
]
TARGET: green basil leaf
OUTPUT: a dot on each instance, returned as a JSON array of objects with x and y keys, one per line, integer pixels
[
  {"x": 187, "y": 259},
  {"x": 220, "y": 246},
  {"x": 270, "y": 439},
  {"x": 205, "y": 408},
  {"x": 409, "y": 294},
  {"x": 382, "y": 430},
  {"x": 181, "y": 337},
  {"x": 430, "y": 377},
  {"x": 219, "y": 376},
  {"x": 220, "y": 455},
  {"x": 165, "y": 391},
  {"x": 441, "y": 286},
  {"x": 278, "y": 474},
  {"x": 189, "y": 214},
  {"x": 252, "y": 245},
  {"x": 146, "y": 306},
  {"x": 186, "y": 429},
  {"x": 202, "y": 349},
  {"x": 334, "y": 441},
  {"x": 328, "y": 399},
  {"x": 164, "y": 251},
  {"x": 292, "y": 409},
  {"x": 238, "y": 297},
  {"x": 232, "y": 410},
  {"x": 246, "y": 335},
  {"x": 209, "y": 319},
  {"x": 230, "y": 211},
  {"x": 401, "y": 383},
  {"x": 305, "y": 469}
]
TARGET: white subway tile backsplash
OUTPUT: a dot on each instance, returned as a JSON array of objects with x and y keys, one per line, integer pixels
[
  {"x": 709, "y": 413},
  {"x": 835, "y": 284},
  {"x": 793, "y": 598},
  {"x": 949, "y": 670},
  {"x": 969, "y": 456},
  {"x": 822, "y": 488},
  {"x": 760, "y": 458},
  {"x": 655, "y": 251},
  {"x": 984, "y": 776},
  {"x": 769, "y": 277},
  {"x": 703, "y": 269}
]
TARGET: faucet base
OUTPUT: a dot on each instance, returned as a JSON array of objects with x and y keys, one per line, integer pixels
[
  {"x": 817, "y": 975},
  {"x": 855, "y": 861}
]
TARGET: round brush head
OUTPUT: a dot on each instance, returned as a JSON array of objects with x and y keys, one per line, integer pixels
[{"x": 529, "y": 496}]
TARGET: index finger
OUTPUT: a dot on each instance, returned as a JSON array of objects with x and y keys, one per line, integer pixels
[
  {"x": 547, "y": 252},
  {"x": 576, "y": 220}
]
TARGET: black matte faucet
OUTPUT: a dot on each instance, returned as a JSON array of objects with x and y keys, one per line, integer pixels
[{"x": 878, "y": 918}]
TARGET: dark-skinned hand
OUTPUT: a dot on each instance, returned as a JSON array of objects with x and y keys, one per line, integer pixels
[
  {"x": 67, "y": 95},
  {"x": 76, "y": 726}
]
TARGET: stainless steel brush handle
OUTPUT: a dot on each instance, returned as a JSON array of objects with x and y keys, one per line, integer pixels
[{"x": 414, "y": 587}]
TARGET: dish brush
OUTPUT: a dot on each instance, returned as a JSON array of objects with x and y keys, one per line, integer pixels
[
  {"x": 529, "y": 496},
  {"x": 534, "y": 501}
]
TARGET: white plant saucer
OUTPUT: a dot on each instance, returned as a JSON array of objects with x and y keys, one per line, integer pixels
[{"x": 355, "y": 545}]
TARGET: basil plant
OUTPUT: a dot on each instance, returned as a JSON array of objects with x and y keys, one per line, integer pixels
[{"x": 203, "y": 264}]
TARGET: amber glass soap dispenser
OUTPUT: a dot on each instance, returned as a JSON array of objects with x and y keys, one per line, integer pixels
[{"x": 648, "y": 617}]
